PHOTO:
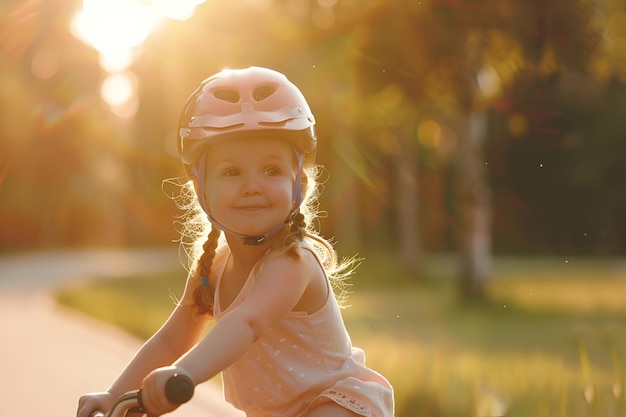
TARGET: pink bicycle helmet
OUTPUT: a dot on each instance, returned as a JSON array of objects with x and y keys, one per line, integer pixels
[{"x": 251, "y": 102}]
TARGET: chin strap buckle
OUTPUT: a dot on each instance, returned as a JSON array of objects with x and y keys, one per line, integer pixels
[{"x": 254, "y": 240}]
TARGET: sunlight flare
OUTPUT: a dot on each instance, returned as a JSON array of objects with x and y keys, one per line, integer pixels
[
  {"x": 119, "y": 91},
  {"x": 116, "y": 27}
]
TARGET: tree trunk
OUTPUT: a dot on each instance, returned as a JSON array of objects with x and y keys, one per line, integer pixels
[
  {"x": 406, "y": 175},
  {"x": 475, "y": 213}
]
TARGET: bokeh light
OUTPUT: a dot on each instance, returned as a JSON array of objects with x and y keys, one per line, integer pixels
[
  {"x": 115, "y": 28},
  {"x": 433, "y": 135},
  {"x": 488, "y": 81},
  {"x": 44, "y": 64},
  {"x": 119, "y": 91}
]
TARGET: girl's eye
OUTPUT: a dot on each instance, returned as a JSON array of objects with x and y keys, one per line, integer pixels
[
  {"x": 231, "y": 172},
  {"x": 272, "y": 171}
]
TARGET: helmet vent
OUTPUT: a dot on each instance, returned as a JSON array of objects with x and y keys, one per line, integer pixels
[
  {"x": 263, "y": 92},
  {"x": 230, "y": 95}
]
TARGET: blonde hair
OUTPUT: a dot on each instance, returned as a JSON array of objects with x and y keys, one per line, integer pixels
[{"x": 201, "y": 242}]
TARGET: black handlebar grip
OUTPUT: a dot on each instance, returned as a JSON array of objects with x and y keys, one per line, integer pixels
[{"x": 179, "y": 389}]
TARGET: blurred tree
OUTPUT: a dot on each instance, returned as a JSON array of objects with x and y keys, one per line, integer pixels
[
  {"x": 549, "y": 37},
  {"x": 562, "y": 131},
  {"x": 458, "y": 54}
]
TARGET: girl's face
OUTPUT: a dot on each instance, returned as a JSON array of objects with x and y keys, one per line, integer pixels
[{"x": 249, "y": 183}]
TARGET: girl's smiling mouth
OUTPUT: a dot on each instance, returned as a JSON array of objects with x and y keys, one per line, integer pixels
[{"x": 251, "y": 207}]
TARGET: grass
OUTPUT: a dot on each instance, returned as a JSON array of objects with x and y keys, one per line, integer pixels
[{"x": 550, "y": 340}]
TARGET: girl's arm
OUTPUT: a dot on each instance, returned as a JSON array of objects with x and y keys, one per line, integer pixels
[
  {"x": 179, "y": 333},
  {"x": 278, "y": 288}
]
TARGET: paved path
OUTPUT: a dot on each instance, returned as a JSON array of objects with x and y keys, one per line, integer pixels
[{"x": 51, "y": 355}]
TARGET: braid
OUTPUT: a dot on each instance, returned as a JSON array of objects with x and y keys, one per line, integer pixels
[
  {"x": 297, "y": 233},
  {"x": 203, "y": 294}
]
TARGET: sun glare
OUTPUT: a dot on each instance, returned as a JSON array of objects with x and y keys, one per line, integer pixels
[
  {"x": 114, "y": 25},
  {"x": 115, "y": 28},
  {"x": 111, "y": 26}
]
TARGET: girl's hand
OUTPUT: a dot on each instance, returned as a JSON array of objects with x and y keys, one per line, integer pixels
[
  {"x": 153, "y": 395},
  {"x": 96, "y": 401}
]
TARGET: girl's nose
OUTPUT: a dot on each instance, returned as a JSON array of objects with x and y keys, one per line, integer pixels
[{"x": 251, "y": 185}]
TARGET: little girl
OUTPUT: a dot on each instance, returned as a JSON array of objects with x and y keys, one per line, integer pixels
[{"x": 247, "y": 142}]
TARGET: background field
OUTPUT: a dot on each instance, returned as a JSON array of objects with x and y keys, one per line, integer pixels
[{"x": 550, "y": 340}]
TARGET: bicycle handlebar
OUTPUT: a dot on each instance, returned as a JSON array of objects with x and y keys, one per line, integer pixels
[{"x": 178, "y": 390}]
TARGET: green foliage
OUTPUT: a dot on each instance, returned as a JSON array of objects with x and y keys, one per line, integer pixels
[{"x": 549, "y": 341}]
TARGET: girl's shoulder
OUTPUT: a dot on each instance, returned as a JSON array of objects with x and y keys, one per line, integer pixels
[{"x": 300, "y": 258}]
